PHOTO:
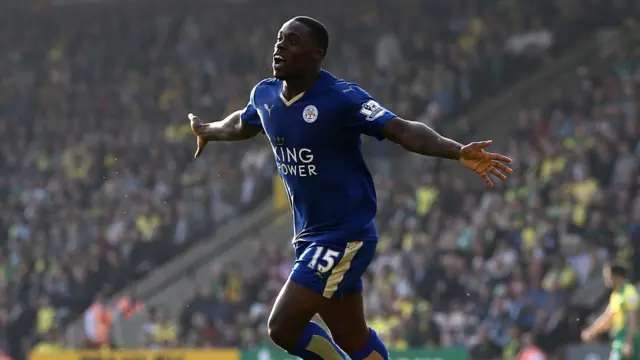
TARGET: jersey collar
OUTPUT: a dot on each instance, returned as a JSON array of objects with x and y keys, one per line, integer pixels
[
  {"x": 325, "y": 79},
  {"x": 293, "y": 100}
]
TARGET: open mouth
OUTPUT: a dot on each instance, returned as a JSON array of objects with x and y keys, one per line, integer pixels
[{"x": 278, "y": 59}]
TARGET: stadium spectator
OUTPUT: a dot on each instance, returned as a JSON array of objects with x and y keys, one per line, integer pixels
[
  {"x": 163, "y": 332},
  {"x": 98, "y": 322},
  {"x": 483, "y": 347},
  {"x": 529, "y": 349}
]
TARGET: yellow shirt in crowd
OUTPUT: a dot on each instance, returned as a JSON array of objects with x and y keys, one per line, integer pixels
[
  {"x": 425, "y": 198},
  {"x": 529, "y": 238},
  {"x": 165, "y": 333},
  {"x": 146, "y": 225},
  {"x": 469, "y": 40},
  {"x": 551, "y": 166},
  {"x": 76, "y": 163},
  {"x": 175, "y": 133},
  {"x": 565, "y": 277},
  {"x": 45, "y": 319},
  {"x": 46, "y": 348},
  {"x": 583, "y": 192}
]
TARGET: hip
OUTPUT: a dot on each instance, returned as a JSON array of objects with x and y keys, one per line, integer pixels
[{"x": 336, "y": 234}]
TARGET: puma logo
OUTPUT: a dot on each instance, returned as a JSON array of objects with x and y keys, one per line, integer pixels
[{"x": 266, "y": 107}]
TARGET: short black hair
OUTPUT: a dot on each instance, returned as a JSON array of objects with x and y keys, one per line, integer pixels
[
  {"x": 619, "y": 268},
  {"x": 318, "y": 31}
]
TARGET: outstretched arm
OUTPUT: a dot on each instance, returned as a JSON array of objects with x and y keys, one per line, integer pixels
[
  {"x": 421, "y": 139},
  {"x": 370, "y": 118},
  {"x": 240, "y": 125},
  {"x": 231, "y": 128}
]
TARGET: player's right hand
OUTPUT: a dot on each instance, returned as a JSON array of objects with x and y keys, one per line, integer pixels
[{"x": 198, "y": 128}]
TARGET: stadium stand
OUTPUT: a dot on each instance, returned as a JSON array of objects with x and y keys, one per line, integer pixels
[{"x": 100, "y": 187}]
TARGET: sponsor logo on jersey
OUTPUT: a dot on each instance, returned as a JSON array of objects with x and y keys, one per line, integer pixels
[{"x": 372, "y": 110}]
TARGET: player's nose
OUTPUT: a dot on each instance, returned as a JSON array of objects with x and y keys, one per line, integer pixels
[{"x": 279, "y": 45}]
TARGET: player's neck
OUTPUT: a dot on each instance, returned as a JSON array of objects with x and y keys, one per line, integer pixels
[{"x": 296, "y": 86}]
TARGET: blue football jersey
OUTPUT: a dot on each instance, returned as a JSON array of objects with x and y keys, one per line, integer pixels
[{"x": 315, "y": 138}]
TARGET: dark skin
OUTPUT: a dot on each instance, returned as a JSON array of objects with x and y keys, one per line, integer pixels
[{"x": 297, "y": 61}]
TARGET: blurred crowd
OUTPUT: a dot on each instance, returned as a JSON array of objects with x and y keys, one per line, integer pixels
[{"x": 100, "y": 186}]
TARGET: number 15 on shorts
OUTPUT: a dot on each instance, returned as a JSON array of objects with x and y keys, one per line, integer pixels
[
  {"x": 331, "y": 270},
  {"x": 324, "y": 259}
]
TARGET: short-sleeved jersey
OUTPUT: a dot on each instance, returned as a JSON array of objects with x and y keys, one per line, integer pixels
[
  {"x": 315, "y": 138},
  {"x": 622, "y": 301}
]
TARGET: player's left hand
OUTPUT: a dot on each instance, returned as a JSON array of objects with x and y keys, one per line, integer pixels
[
  {"x": 626, "y": 349},
  {"x": 475, "y": 158},
  {"x": 198, "y": 129}
]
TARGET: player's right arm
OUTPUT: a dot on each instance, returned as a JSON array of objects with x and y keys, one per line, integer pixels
[
  {"x": 602, "y": 324},
  {"x": 240, "y": 125},
  {"x": 232, "y": 128}
]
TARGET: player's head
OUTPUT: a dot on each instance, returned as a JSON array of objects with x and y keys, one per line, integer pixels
[
  {"x": 614, "y": 273},
  {"x": 301, "y": 46}
]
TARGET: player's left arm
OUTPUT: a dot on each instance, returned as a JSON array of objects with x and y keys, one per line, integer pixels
[
  {"x": 371, "y": 118},
  {"x": 421, "y": 139}
]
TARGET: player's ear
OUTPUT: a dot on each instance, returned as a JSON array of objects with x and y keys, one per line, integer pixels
[{"x": 318, "y": 54}]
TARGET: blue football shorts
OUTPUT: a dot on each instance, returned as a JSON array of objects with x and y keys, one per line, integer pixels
[{"x": 332, "y": 269}]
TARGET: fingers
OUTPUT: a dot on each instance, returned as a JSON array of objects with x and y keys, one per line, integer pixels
[
  {"x": 196, "y": 125},
  {"x": 502, "y": 167},
  {"x": 496, "y": 169},
  {"x": 486, "y": 179},
  {"x": 194, "y": 119},
  {"x": 200, "y": 146},
  {"x": 198, "y": 149},
  {"x": 480, "y": 144},
  {"x": 495, "y": 172},
  {"x": 499, "y": 157}
]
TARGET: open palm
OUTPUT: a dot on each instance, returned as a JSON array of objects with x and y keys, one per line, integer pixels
[{"x": 475, "y": 158}]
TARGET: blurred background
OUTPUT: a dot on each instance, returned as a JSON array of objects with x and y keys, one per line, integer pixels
[{"x": 114, "y": 238}]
